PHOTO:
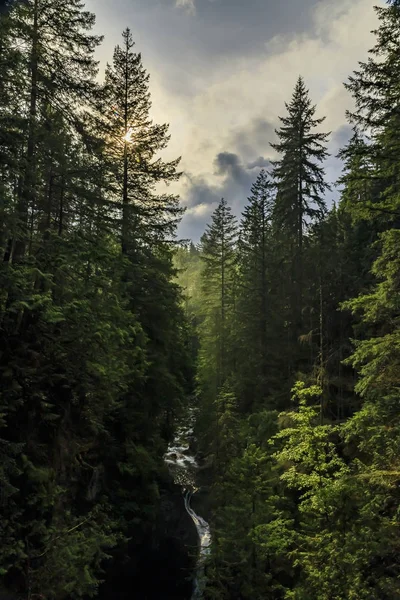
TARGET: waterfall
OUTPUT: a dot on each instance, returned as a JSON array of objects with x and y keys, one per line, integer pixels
[
  {"x": 183, "y": 465},
  {"x": 203, "y": 531}
]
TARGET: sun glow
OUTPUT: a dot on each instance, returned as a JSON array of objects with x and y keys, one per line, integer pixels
[{"x": 128, "y": 136}]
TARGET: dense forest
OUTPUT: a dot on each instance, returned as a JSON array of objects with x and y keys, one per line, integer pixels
[
  {"x": 94, "y": 359},
  {"x": 281, "y": 328}
]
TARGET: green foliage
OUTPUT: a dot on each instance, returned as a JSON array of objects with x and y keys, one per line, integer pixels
[
  {"x": 102, "y": 319},
  {"x": 218, "y": 278},
  {"x": 243, "y": 480},
  {"x": 72, "y": 558},
  {"x": 131, "y": 152},
  {"x": 299, "y": 175},
  {"x": 335, "y": 541},
  {"x": 377, "y": 358},
  {"x": 94, "y": 350},
  {"x": 258, "y": 310},
  {"x": 305, "y": 505}
]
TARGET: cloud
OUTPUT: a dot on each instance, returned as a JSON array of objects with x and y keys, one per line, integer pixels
[
  {"x": 201, "y": 199},
  {"x": 198, "y": 192},
  {"x": 232, "y": 180},
  {"x": 187, "y": 5},
  {"x": 261, "y": 162},
  {"x": 236, "y": 106},
  {"x": 229, "y": 165},
  {"x": 221, "y": 81},
  {"x": 340, "y": 137},
  {"x": 253, "y": 136}
]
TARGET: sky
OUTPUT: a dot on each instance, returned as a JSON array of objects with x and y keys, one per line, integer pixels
[{"x": 221, "y": 72}]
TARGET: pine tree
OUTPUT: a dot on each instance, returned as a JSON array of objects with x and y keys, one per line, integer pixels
[
  {"x": 218, "y": 245},
  {"x": 11, "y": 125},
  {"x": 133, "y": 144},
  {"x": 358, "y": 176},
  {"x": 92, "y": 366},
  {"x": 60, "y": 71},
  {"x": 300, "y": 184},
  {"x": 322, "y": 540},
  {"x": 374, "y": 87},
  {"x": 256, "y": 296}
]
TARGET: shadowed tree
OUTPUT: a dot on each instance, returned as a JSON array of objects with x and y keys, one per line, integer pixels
[{"x": 300, "y": 185}]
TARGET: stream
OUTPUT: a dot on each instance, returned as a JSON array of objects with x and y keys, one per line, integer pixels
[{"x": 183, "y": 466}]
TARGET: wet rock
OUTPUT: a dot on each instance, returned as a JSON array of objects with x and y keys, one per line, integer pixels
[{"x": 172, "y": 456}]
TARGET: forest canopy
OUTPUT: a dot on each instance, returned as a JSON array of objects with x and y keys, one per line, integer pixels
[{"x": 282, "y": 327}]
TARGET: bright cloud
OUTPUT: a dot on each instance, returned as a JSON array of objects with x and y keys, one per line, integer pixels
[
  {"x": 223, "y": 106},
  {"x": 235, "y": 105}
]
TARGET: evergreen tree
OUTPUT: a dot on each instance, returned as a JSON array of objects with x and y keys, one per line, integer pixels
[
  {"x": 374, "y": 87},
  {"x": 59, "y": 73},
  {"x": 189, "y": 267},
  {"x": 256, "y": 317},
  {"x": 218, "y": 246},
  {"x": 133, "y": 144},
  {"x": 374, "y": 428},
  {"x": 93, "y": 367},
  {"x": 300, "y": 185}
]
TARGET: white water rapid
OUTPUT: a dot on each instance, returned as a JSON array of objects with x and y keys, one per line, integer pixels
[{"x": 183, "y": 465}]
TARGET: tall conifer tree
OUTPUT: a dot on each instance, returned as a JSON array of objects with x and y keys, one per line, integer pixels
[
  {"x": 256, "y": 303},
  {"x": 59, "y": 72},
  {"x": 133, "y": 145},
  {"x": 374, "y": 87},
  {"x": 300, "y": 184},
  {"x": 93, "y": 367},
  {"x": 218, "y": 253}
]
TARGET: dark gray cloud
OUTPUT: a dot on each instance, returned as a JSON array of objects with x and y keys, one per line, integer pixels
[
  {"x": 340, "y": 137},
  {"x": 199, "y": 192},
  {"x": 185, "y": 44},
  {"x": 243, "y": 26},
  {"x": 234, "y": 182},
  {"x": 235, "y": 170},
  {"x": 237, "y": 175},
  {"x": 230, "y": 166},
  {"x": 235, "y": 179}
]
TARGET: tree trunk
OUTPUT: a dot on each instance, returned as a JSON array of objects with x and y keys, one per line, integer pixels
[
  {"x": 28, "y": 188},
  {"x": 125, "y": 199}
]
